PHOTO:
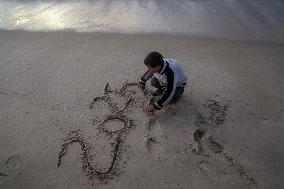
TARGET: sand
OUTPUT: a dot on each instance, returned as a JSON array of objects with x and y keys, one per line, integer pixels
[{"x": 61, "y": 127}]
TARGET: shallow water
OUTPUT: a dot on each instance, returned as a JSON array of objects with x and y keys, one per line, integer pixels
[{"x": 233, "y": 19}]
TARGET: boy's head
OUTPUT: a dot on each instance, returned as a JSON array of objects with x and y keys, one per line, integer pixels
[{"x": 154, "y": 62}]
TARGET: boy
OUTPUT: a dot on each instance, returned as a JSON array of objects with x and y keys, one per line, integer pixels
[{"x": 167, "y": 76}]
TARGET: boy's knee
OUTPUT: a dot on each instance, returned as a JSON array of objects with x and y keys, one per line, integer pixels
[
  {"x": 155, "y": 83},
  {"x": 177, "y": 95}
]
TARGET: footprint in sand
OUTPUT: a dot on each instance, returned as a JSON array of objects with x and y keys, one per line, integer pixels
[
  {"x": 213, "y": 145},
  {"x": 3, "y": 177},
  {"x": 154, "y": 135},
  {"x": 14, "y": 162},
  {"x": 211, "y": 171},
  {"x": 202, "y": 141},
  {"x": 150, "y": 142},
  {"x": 196, "y": 143}
]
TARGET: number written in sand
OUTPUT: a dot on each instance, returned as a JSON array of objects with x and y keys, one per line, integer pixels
[{"x": 114, "y": 125}]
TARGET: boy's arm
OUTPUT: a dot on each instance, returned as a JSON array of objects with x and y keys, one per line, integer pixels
[
  {"x": 145, "y": 77},
  {"x": 169, "y": 91}
]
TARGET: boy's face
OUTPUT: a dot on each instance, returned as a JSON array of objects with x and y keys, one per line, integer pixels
[{"x": 153, "y": 69}]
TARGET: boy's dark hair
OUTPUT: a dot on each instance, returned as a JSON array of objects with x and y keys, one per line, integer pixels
[{"x": 154, "y": 59}]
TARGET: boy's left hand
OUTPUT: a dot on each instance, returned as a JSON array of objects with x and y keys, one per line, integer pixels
[{"x": 150, "y": 108}]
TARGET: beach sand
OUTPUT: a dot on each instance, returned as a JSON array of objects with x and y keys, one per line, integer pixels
[{"x": 226, "y": 132}]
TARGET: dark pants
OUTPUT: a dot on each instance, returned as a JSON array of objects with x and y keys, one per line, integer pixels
[{"x": 178, "y": 93}]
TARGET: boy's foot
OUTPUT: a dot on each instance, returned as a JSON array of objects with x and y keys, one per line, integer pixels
[{"x": 157, "y": 92}]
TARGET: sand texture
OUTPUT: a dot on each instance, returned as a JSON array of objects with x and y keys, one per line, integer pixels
[{"x": 72, "y": 115}]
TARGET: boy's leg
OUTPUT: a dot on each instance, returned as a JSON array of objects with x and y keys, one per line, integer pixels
[
  {"x": 155, "y": 83},
  {"x": 177, "y": 95},
  {"x": 179, "y": 91}
]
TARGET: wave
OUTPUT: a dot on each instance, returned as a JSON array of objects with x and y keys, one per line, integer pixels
[{"x": 252, "y": 19}]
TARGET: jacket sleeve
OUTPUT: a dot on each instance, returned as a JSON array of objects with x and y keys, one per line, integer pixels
[
  {"x": 146, "y": 77},
  {"x": 169, "y": 91}
]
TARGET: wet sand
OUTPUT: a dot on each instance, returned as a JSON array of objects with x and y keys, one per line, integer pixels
[{"x": 62, "y": 127}]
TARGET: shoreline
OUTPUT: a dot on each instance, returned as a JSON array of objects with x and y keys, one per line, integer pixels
[{"x": 201, "y": 37}]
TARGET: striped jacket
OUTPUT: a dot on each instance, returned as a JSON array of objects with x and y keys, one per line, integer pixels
[{"x": 170, "y": 77}]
